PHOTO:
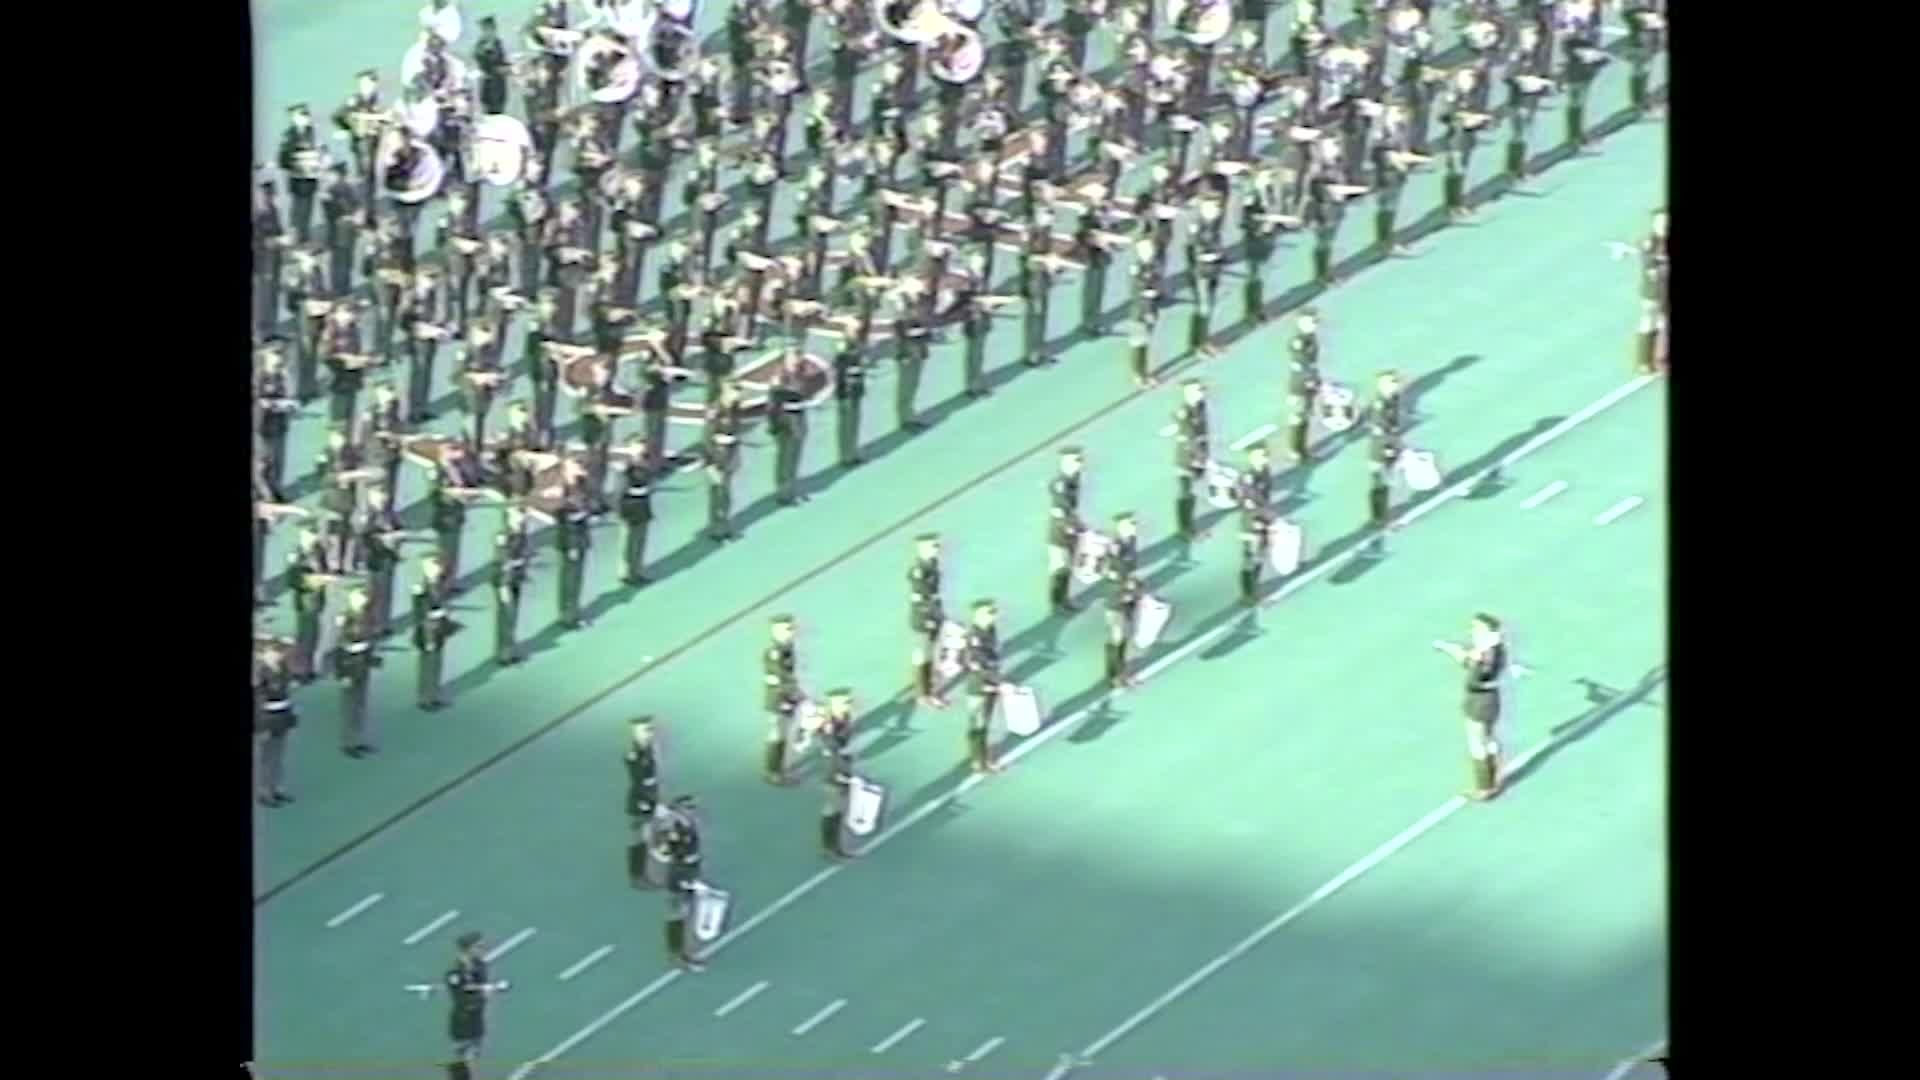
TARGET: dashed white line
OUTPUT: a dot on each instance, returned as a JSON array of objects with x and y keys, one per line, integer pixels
[
  {"x": 510, "y": 944},
  {"x": 420, "y": 935},
  {"x": 340, "y": 919},
  {"x": 893, "y": 1040},
  {"x": 1544, "y": 494},
  {"x": 1622, "y": 1070},
  {"x": 742, "y": 998},
  {"x": 985, "y": 1048},
  {"x": 821, "y": 1016},
  {"x": 1613, "y": 513},
  {"x": 586, "y": 962},
  {"x": 1255, "y": 436}
]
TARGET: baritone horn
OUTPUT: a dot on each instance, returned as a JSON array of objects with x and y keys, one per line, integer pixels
[
  {"x": 502, "y": 147},
  {"x": 423, "y": 176},
  {"x": 606, "y": 70},
  {"x": 1201, "y": 22}
]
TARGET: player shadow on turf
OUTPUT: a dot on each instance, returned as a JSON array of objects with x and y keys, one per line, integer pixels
[
  {"x": 1606, "y": 703},
  {"x": 1102, "y": 719}
]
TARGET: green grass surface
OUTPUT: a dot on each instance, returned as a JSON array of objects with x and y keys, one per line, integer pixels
[{"x": 1049, "y": 905}]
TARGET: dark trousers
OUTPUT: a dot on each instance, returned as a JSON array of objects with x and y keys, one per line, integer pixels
[
  {"x": 506, "y": 623},
  {"x": 432, "y": 662},
  {"x": 380, "y": 599},
  {"x": 907, "y": 388},
  {"x": 637, "y": 548},
  {"x": 656, "y": 421},
  {"x": 848, "y": 430},
  {"x": 303, "y": 192},
  {"x": 573, "y": 576},
  {"x": 420, "y": 380},
  {"x": 719, "y": 505},
  {"x": 449, "y": 542}
]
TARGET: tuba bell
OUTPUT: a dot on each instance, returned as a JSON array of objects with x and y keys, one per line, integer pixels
[
  {"x": 502, "y": 149},
  {"x": 914, "y": 22},
  {"x": 1201, "y": 22},
  {"x": 1335, "y": 408},
  {"x": 412, "y": 170},
  {"x": 606, "y": 70},
  {"x": 958, "y": 55}
]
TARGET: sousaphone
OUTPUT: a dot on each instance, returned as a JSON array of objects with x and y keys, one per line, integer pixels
[
  {"x": 423, "y": 177},
  {"x": 957, "y": 56},
  {"x": 1201, "y": 22},
  {"x": 669, "y": 48},
  {"x": 914, "y": 22},
  {"x": 606, "y": 70}
]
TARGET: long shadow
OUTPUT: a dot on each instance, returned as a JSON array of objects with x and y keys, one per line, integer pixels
[{"x": 1606, "y": 703}]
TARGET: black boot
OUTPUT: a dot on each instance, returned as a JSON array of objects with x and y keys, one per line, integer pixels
[
  {"x": 1516, "y": 159},
  {"x": 1378, "y": 505},
  {"x": 1249, "y": 586},
  {"x": 1297, "y": 439},
  {"x": 676, "y": 940},
  {"x": 1057, "y": 590},
  {"x": 830, "y": 835},
  {"x": 977, "y": 750},
  {"x": 459, "y": 1070},
  {"x": 776, "y": 762},
  {"x": 1322, "y": 263},
  {"x": 1455, "y": 187},
  {"x": 923, "y": 680},
  {"x": 1116, "y": 664},
  {"x": 1383, "y": 228},
  {"x": 1183, "y": 514},
  {"x": 1576, "y": 126},
  {"x": 637, "y": 865}
]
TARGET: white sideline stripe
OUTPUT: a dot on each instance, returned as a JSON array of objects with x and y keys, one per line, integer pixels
[
  {"x": 890, "y": 1041},
  {"x": 1340, "y": 881},
  {"x": 742, "y": 998},
  {"x": 420, "y": 935},
  {"x": 985, "y": 1048},
  {"x": 1255, "y": 436},
  {"x": 1544, "y": 494},
  {"x": 1053, "y": 730},
  {"x": 1625, "y": 1067},
  {"x": 821, "y": 1016},
  {"x": 340, "y": 919},
  {"x": 510, "y": 944},
  {"x": 588, "y": 961},
  {"x": 1617, "y": 509}
]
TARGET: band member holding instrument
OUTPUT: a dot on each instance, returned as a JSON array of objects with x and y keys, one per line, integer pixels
[
  {"x": 340, "y": 465},
  {"x": 1190, "y": 455},
  {"x": 836, "y": 742},
  {"x": 1462, "y": 119},
  {"x": 1255, "y": 495},
  {"x": 344, "y": 214},
  {"x": 1385, "y": 427},
  {"x": 299, "y": 159},
  {"x": 1063, "y": 529},
  {"x": 354, "y": 661},
  {"x": 1392, "y": 156},
  {"x": 379, "y": 540},
  {"x": 457, "y": 479},
  {"x": 849, "y": 389},
  {"x": 512, "y": 461},
  {"x": 598, "y": 407},
  {"x": 470, "y": 985},
  {"x": 1580, "y": 38},
  {"x": 432, "y": 626},
  {"x": 1121, "y": 567},
  {"x": 911, "y": 360},
  {"x": 273, "y": 719},
  {"x": 274, "y": 409},
  {"x": 573, "y": 536},
  {"x": 360, "y": 122},
  {"x": 787, "y": 415},
  {"x": 419, "y": 317},
  {"x": 457, "y": 239},
  {"x": 480, "y": 373},
  {"x": 384, "y": 429},
  {"x": 1645, "y": 25},
  {"x": 512, "y": 553},
  {"x": 1527, "y": 82},
  {"x": 983, "y": 661},
  {"x": 1303, "y": 383},
  {"x": 269, "y": 240},
  {"x": 490, "y": 57},
  {"x": 643, "y": 794},
  {"x": 978, "y": 327},
  {"x": 1485, "y": 661},
  {"x": 1206, "y": 259},
  {"x": 722, "y": 450},
  {"x": 309, "y": 568},
  {"x": 543, "y": 370},
  {"x": 636, "y": 508},
  {"x": 779, "y": 674},
  {"x": 682, "y": 851},
  {"x": 1262, "y": 232},
  {"x": 925, "y": 616}
]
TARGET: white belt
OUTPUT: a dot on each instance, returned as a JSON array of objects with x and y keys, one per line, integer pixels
[
  {"x": 278, "y": 706},
  {"x": 360, "y": 646}
]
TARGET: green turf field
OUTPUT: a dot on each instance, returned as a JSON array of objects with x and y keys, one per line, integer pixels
[{"x": 1147, "y": 884}]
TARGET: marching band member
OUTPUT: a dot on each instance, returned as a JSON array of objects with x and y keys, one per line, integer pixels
[
  {"x": 636, "y": 508},
  {"x": 1206, "y": 258},
  {"x": 643, "y": 793},
  {"x": 1392, "y": 157},
  {"x": 779, "y": 674},
  {"x": 787, "y": 416},
  {"x": 1645, "y": 23},
  {"x": 1526, "y": 83},
  {"x": 1303, "y": 382},
  {"x": 910, "y": 359},
  {"x": 480, "y": 372},
  {"x": 1579, "y": 26},
  {"x": 527, "y": 211},
  {"x": 344, "y": 214},
  {"x": 309, "y": 568},
  {"x": 383, "y": 429},
  {"x": 274, "y": 406},
  {"x": 925, "y": 616},
  {"x": 836, "y": 742},
  {"x": 1140, "y": 342},
  {"x": 849, "y": 388},
  {"x": 597, "y": 406},
  {"x": 1485, "y": 661},
  {"x": 360, "y": 121},
  {"x": 1255, "y": 495},
  {"x": 457, "y": 239},
  {"x": 983, "y": 661},
  {"x": 573, "y": 537},
  {"x": 1121, "y": 567},
  {"x": 1385, "y": 426},
  {"x": 512, "y": 552},
  {"x": 299, "y": 159},
  {"x": 470, "y": 986},
  {"x": 682, "y": 849},
  {"x": 432, "y": 626},
  {"x": 1190, "y": 455},
  {"x": 1063, "y": 529},
  {"x": 273, "y": 718},
  {"x": 457, "y": 479},
  {"x": 722, "y": 450},
  {"x": 490, "y": 59},
  {"x": 269, "y": 239},
  {"x": 542, "y": 370},
  {"x": 1260, "y": 227},
  {"x": 419, "y": 319},
  {"x": 340, "y": 463},
  {"x": 354, "y": 661},
  {"x": 379, "y": 540}
]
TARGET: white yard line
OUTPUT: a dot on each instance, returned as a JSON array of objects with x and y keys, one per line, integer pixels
[
  {"x": 1625, "y": 1068},
  {"x": 821, "y": 1017},
  {"x": 1614, "y": 512},
  {"x": 420, "y": 935},
  {"x": 341, "y": 919},
  {"x": 893, "y": 1040},
  {"x": 985, "y": 1048},
  {"x": 1544, "y": 494},
  {"x": 1255, "y": 436},
  {"x": 1057, "y": 727},
  {"x": 510, "y": 944},
  {"x": 742, "y": 998},
  {"x": 586, "y": 962}
]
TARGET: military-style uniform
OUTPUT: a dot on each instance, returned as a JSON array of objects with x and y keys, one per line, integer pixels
[
  {"x": 1190, "y": 455},
  {"x": 381, "y": 552},
  {"x": 722, "y": 447},
  {"x": 1122, "y": 569},
  {"x": 1643, "y": 43},
  {"x": 1063, "y": 534},
  {"x": 1482, "y": 708},
  {"x": 1385, "y": 427},
  {"x": 273, "y": 718},
  {"x": 636, "y": 510},
  {"x": 682, "y": 851},
  {"x": 1303, "y": 386},
  {"x": 836, "y": 742},
  {"x": 1206, "y": 259},
  {"x": 1255, "y": 496},
  {"x": 574, "y": 538},
  {"x": 309, "y": 604},
  {"x": 911, "y": 356},
  {"x": 1262, "y": 239},
  {"x": 849, "y": 387},
  {"x": 275, "y": 404},
  {"x": 512, "y": 552},
  {"x": 924, "y": 618},
  {"x": 1581, "y": 45},
  {"x": 780, "y": 696},
  {"x": 467, "y": 985},
  {"x": 354, "y": 661},
  {"x": 787, "y": 414},
  {"x": 450, "y": 513},
  {"x": 643, "y": 797},
  {"x": 977, "y": 326},
  {"x": 432, "y": 626},
  {"x": 983, "y": 661}
]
